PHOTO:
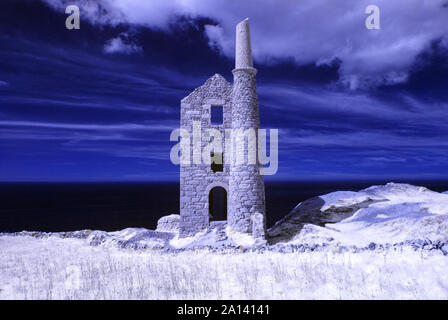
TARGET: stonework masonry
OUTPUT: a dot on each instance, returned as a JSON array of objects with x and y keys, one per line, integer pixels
[{"x": 243, "y": 182}]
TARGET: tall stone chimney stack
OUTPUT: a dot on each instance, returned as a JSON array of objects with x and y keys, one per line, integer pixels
[
  {"x": 246, "y": 184},
  {"x": 243, "y": 56}
]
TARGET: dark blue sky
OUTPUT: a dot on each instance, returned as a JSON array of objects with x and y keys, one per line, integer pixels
[{"x": 99, "y": 103}]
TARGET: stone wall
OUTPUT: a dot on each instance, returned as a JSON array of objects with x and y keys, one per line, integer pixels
[{"x": 196, "y": 180}]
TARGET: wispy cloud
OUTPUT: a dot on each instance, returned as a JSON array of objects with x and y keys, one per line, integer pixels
[
  {"x": 56, "y": 135},
  {"x": 100, "y": 127},
  {"x": 122, "y": 44},
  {"x": 158, "y": 152},
  {"x": 363, "y": 140},
  {"x": 322, "y": 99},
  {"x": 322, "y": 116}
]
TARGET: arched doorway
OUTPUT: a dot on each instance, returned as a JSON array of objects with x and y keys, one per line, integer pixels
[{"x": 217, "y": 204}]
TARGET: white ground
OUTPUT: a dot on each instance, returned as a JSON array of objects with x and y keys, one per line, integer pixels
[
  {"x": 100, "y": 265},
  {"x": 71, "y": 269}
]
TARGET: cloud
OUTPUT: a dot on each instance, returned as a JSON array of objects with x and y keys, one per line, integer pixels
[
  {"x": 4, "y": 84},
  {"x": 121, "y": 44},
  {"x": 309, "y": 31},
  {"x": 217, "y": 38},
  {"x": 363, "y": 140},
  {"x": 159, "y": 152},
  {"x": 327, "y": 125},
  {"x": 101, "y": 127},
  {"x": 49, "y": 134},
  {"x": 324, "y": 103}
]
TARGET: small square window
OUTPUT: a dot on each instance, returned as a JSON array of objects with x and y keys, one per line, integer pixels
[{"x": 216, "y": 115}]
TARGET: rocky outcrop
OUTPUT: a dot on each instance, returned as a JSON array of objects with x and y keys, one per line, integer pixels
[
  {"x": 168, "y": 223},
  {"x": 313, "y": 211}
]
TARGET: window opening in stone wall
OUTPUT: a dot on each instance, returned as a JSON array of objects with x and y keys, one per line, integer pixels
[
  {"x": 217, "y": 164},
  {"x": 216, "y": 115}
]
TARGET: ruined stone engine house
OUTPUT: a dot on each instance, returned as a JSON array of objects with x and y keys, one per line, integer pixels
[{"x": 226, "y": 191}]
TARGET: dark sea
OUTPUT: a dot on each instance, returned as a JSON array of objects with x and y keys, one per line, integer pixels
[{"x": 115, "y": 206}]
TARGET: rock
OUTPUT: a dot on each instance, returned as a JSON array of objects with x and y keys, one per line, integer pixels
[
  {"x": 444, "y": 249},
  {"x": 419, "y": 243},
  {"x": 97, "y": 238},
  {"x": 312, "y": 212},
  {"x": 168, "y": 223}
]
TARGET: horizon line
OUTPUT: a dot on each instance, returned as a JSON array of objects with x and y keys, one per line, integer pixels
[{"x": 269, "y": 181}]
